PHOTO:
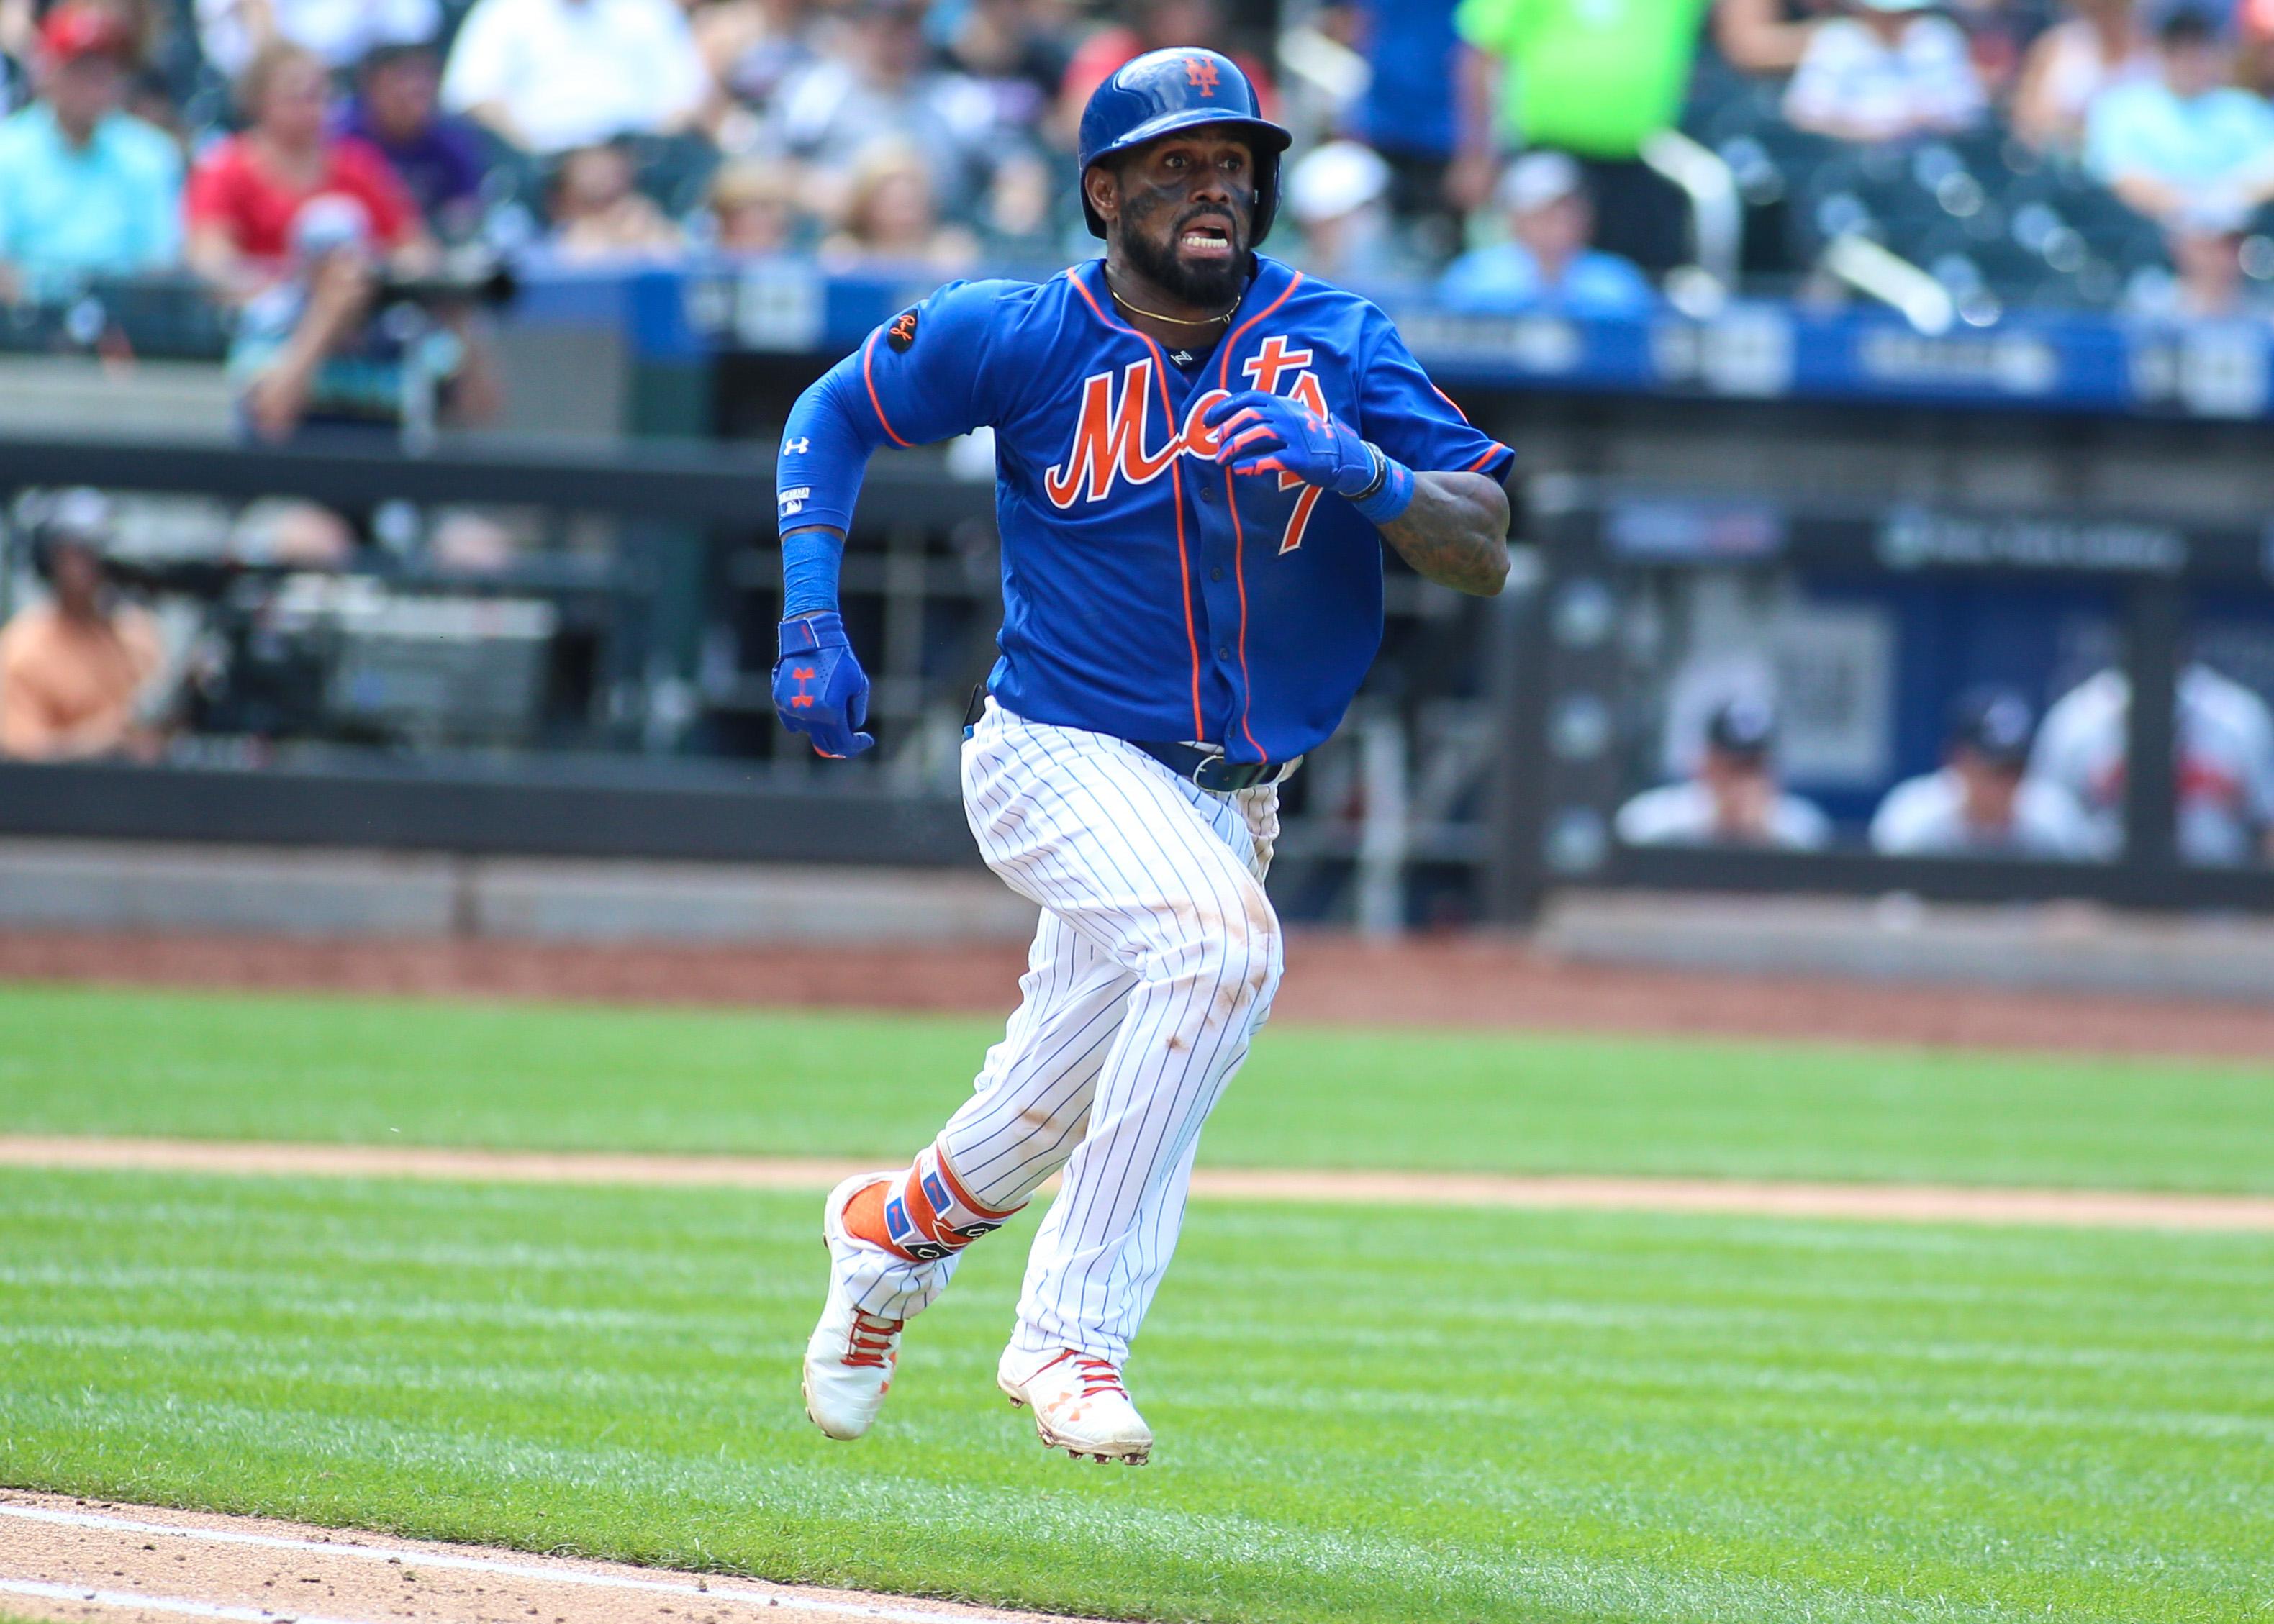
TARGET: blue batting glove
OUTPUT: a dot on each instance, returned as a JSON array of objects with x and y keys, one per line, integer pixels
[
  {"x": 1260, "y": 434},
  {"x": 819, "y": 688}
]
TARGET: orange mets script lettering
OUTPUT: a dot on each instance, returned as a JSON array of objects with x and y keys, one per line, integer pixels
[{"x": 1111, "y": 430}]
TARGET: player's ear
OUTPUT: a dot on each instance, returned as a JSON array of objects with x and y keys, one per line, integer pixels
[{"x": 1101, "y": 183}]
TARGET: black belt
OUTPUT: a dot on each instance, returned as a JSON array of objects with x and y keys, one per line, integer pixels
[{"x": 1209, "y": 771}]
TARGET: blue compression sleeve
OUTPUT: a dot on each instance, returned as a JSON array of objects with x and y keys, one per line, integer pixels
[
  {"x": 825, "y": 450},
  {"x": 810, "y": 560}
]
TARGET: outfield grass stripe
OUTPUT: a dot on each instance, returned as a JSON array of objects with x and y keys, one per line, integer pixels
[
  {"x": 1727, "y": 1198},
  {"x": 140, "y": 1601}
]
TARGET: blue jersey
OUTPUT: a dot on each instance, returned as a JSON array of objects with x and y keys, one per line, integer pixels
[{"x": 1148, "y": 592}]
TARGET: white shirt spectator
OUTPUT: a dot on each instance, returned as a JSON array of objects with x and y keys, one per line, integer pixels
[
  {"x": 1682, "y": 815},
  {"x": 2225, "y": 767},
  {"x": 1852, "y": 85},
  {"x": 1925, "y": 816},
  {"x": 342, "y": 32},
  {"x": 571, "y": 73}
]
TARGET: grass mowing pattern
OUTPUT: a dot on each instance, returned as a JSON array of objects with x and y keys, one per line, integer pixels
[
  {"x": 1392, "y": 1417},
  {"x": 78, "y": 1060}
]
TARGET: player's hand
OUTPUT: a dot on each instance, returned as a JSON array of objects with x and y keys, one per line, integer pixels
[
  {"x": 1260, "y": 434},
  {"x": 819, "y": 688}
]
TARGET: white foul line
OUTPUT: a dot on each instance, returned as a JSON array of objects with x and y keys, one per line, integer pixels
[
  {"x": 784, "y": 1597},
  {"x": 158, "y": 1604}
]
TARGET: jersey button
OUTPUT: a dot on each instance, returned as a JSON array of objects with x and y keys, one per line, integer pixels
[
  {"x": 1223, "y": 651},
  {"x": 1216, "y": 575}
]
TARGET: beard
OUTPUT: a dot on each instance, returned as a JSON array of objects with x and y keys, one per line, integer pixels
[{"x": 1203, "y": 286}]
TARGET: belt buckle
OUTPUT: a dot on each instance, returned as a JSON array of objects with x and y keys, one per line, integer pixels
[{"x": 1230, "y": 775}]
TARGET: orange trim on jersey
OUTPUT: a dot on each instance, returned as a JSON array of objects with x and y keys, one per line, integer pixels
[
  {"x": 1448, "y": 401},
  {"x": 1232, "y": 501},
  {"x": 1493, "y": 451},
  {"x": 955, "y": 1188},
  {"x": 867, "y": 350},
  {"x": 1176, "y": 486}
]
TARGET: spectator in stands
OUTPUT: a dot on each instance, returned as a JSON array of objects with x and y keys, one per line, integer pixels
[
  {"x": 753, "y": 48},
  {"x": 1764, "y": 37},
  {"x": 1338, "y": 197},
  {"x": 1407, "y": 113},
  {"x": 1153, "y": 25},
  {"x": 549, "y": 75},
  {"x": 1734, "y": 799},
  {"x": 2186, "y": 146},
  {"x": 1547, "y": 263},
  {"x": 85, "y": 187},
  {"x": 1886, "y": 69},
  {"x": 598, "y": 211},
  {"x": 2224, "y": 773},
  {"x": 891, "y": 219},
  {"x": 1597, "y": 78},
  {"x": 75, "y": 669},
  {"x": 1003, "y": 46},
  {"x": 2205, "y": 281},
  {"x": 247, "y": 192},
  {"x": 754, "y": 209},
  {"x": 437, "y": 157},
  {"x": 1981, "y": 802},
  {"x": 887, "y": 89},
  {"x": 318, "y": 353},
  {"x": 2098, "y": 45},
  {"x": 341, "y": 32}
]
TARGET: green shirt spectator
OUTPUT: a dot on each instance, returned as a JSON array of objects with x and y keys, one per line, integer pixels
[
  {"x": 1596, "y": 78},
  {"x": 84, "y": 188}
]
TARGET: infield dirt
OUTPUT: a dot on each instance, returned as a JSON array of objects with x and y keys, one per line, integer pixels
[{"x": 106, "y": 1556}]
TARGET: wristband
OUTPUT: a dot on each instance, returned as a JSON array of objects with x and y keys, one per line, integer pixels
[{"x": 1388, "y": 494}]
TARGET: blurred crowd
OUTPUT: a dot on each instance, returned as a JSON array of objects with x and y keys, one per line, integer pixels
[{"x": 299, "y": 156}]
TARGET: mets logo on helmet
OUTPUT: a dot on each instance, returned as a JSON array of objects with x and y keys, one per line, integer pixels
[
  {"x": 1112, "y": 431},
  {"x": 1200, "y": 71}
]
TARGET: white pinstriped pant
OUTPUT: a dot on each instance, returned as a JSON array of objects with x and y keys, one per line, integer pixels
[{"x": 1155, "y": 960}]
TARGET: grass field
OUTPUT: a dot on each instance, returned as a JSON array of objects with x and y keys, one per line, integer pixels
[
  {"x": 213, "y": 1065},
  {"x": 1378, "y": 1415}
]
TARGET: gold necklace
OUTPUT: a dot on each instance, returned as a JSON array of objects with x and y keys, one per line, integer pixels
[{"x": 1181, "y": 321}]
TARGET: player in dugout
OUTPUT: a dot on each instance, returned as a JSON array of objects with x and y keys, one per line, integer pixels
[
  {"x": 1733, "y": 798},
  {"x": 1981, "y": 802},
  {"x": 1201, "y": 453}
]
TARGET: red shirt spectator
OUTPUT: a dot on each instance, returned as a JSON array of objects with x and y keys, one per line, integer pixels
[
  {"x": 231, "y": 188},
  {"x": 243, "y": 198},
  {"x": 1157, "y": 24}
]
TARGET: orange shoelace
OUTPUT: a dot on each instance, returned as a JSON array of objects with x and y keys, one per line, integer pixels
[
  {"x": 871, "y": 1342},
  {"x": 1098, "y": 1376}
]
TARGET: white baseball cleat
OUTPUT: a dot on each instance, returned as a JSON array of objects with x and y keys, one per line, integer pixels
[
  {"x": 851, "y": 1356},
  {"x": 1078, "y": 1403}
]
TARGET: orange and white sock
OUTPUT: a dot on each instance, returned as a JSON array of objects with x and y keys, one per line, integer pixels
[{"x": 924, "y": 1215}]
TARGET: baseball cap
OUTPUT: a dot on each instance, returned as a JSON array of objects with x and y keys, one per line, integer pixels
[
  {"x": 1993, "y": 722},
  {"x": 1538, "y": 179},
  {"x": 77, "y": 30},
  {"x": 1335, "y": 178},
  {"x": 1743, "y": 726}
]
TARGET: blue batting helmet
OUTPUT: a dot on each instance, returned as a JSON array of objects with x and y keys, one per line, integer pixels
[{"x": 1164, "y": 90}]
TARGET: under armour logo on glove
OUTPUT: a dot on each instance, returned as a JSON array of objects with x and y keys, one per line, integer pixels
[
  {"x": 819, "y": 688},
  {"x": 1260, "y": 434}
]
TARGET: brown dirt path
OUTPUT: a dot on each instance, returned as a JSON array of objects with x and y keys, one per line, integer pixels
[
  {"x": 1479, "y": 981},
  {"x": 1896, "y": 1203},
  {"x": 77, "y": 1559}
]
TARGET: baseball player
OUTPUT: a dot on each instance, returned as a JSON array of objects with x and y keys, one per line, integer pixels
[
  {"x": 1982, "y": 802},
  {"x": 1200, "y": 453},
  {"x": 1734, "y": 797},
  {"x": 2226, "y": 814}
]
